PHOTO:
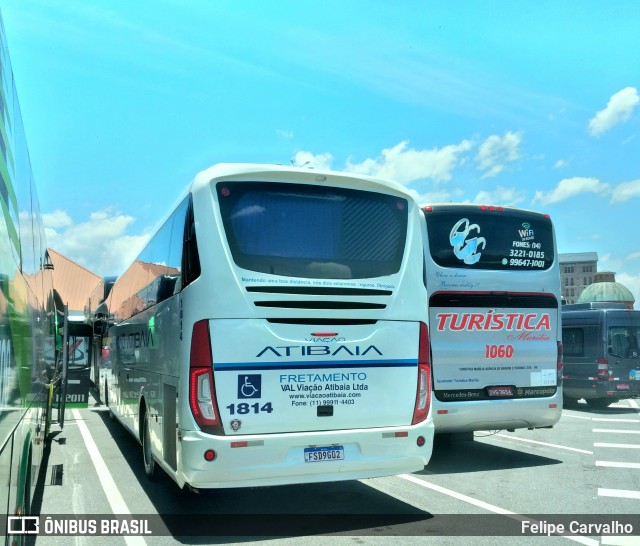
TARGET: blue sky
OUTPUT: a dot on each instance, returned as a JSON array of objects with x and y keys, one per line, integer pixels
[{"x": 532, "y": 104}]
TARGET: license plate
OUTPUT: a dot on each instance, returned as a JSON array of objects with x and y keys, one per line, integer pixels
[
  {"x": 320, "y": 454},
  {"x": 500, "y": 391},
  {"x": 622, "y": 386}
]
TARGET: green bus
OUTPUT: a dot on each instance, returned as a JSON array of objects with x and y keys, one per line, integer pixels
[{"x": 27, "y": 315}]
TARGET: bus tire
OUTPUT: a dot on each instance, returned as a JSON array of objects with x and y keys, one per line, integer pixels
[
  {"x": 150, "y": 465},
  {"x": 600, "y": 403},
  {"x": 25, "y": 506},
  {"x": 569, "y": 402},
  {"x": 48, "y": 417},
  {"x": 106, "y": 400},
  {"x": 452, "y": 438}
]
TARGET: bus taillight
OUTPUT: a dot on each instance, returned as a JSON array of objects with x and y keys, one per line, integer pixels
[
  {"x": 603, "y": 369},
  {"x": 423, "y": 393},
  {"x": 202, "y": 393}
]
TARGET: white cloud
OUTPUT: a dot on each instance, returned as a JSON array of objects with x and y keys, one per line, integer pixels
[
  {"x": 570, "y": 187},
  {"x": 307, "y": 159},
  {"x": 284, "y": 133},
  {"x": 56, "y": 219},
  {"x": 562, "y": 163},
  {"x": 618, "y": 110},
  {"x": 500, "y": 196},
  {"x": 101, "y": 244},
  {"x": 625, "y": 191},
  {"x": 496, "y": 151},
  {"x": 609, "y": 262},
  {"x": 406, "y": 165},
  {"x": 632, "y": 282},
  {"x": 633, "y": 256},
  {"x": 437, "y": 196},
  {"x": 621, "y": 267}
]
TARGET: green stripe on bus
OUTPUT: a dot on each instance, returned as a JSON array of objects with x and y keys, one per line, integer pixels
[
  {"x": 5, "y": 138},
  {"x": 11, "y": 228},
  {"x": 8, "y": 182}
]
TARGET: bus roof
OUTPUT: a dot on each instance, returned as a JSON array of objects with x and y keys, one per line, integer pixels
[
  {"x": 224, "y": 170},
  {"x": 592, "y": 305},
  {"x": 479, "y": 206}
]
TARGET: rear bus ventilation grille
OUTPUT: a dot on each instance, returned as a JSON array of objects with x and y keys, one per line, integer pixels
[
  {"x": 320, "y": 321},
  {"x": 493, "y": 299},
  {"x": 320, "y": 304},
  {"x": 319, "y": 291}
]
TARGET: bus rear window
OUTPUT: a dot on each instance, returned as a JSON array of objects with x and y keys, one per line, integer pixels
[
  {"x": 314, "y": 232},
  {"x": 469, "y": 238}
]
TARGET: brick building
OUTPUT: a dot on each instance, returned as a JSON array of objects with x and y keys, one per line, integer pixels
[{"x": 577, "y": 271}]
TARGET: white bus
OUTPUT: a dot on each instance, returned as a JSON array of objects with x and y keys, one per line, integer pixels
[
  {"x": 269, "y": 334},
  {"x": 494, "y": 299}
]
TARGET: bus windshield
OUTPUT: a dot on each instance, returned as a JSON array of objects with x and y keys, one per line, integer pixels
[
  {"x": 505, "y": 240},
  {"x": 314, "y": 232}
]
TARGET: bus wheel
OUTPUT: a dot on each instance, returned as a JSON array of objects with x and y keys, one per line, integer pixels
[
  {"x": 569, "y": 402},
  {"x": 453, "y": 438},
  {"x": 48, "y": 415},
  {"x": 600, "y": 403},
  {"x": 25, "y": 505},
  {"x": 150, "y": 466}
]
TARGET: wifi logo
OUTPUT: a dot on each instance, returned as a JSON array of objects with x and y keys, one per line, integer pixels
[{"x": 526, "y": 230}]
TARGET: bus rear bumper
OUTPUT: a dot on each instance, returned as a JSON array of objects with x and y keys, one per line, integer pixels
[
  {"x": 497, "y": 414},
  {"x": 589, "y": 389},
  {"x": 266, "y": 460}
]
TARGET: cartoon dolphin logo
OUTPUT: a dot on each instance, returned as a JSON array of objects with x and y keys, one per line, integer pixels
[{"x": 466, "y": 249}]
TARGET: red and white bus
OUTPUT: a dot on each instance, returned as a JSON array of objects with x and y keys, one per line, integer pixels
[{"x": 494, "y": 301}]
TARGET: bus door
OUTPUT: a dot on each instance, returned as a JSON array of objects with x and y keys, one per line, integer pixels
[{"x": 623, "y": 347}]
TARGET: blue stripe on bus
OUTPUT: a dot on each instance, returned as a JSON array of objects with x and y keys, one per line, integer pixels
[{"x": 321, "y": 364}]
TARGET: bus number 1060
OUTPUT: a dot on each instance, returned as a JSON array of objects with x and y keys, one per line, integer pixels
[{"x": 498, "y": 351}]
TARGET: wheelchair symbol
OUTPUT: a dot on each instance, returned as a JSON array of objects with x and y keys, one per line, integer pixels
[{"x": 249, "y": 386}]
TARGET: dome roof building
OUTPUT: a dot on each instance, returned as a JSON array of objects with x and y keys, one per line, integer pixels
[{"x": 605, "y": 289}]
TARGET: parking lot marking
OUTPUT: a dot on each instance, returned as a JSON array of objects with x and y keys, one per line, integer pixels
[
  {"x": 621, "y": 446},
  {"x": 620, "y": 493},
  {"x": 487, "y": 506},
  {"x": 544, "y": 443},
  {"x": 612, "y": 431},
  {"x": 619, "y": 541},
  {"x": 616, "y": 464},
  {"x": 614, "y": 420},
  {"x": 575, "y": 416},
  {"x": 116, "y": 501}
]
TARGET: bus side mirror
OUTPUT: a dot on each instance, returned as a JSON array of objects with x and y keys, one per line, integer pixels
[{"x": 100, "y": 327}]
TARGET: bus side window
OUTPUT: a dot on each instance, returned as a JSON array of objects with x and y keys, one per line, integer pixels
[
  {"x": 619, "y": 344},
  {"x": 573, "y": 341},
  {"x": 175, "y": 257},
  {"x": 190, "y": 256}
]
